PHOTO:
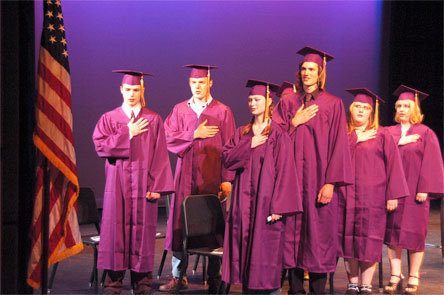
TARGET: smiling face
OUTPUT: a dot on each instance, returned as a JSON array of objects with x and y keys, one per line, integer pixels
[
  {"x": 200, "y": 87},
  {"x": 360, "y": 113},
  {"x": 309, "y": 72},
  {"x": 131, "y": 94}
]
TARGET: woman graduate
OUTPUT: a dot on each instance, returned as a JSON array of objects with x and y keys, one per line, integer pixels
[
  {"x": 264, "y": 191},
  {"x": 423, "y": 168},
  {"x": 379, "y": 181}
]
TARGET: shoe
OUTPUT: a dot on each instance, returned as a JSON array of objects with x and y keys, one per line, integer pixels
[
  {"x": 171, "y": 286},
  {"x": 352, "y": 288},
  {"x": 412, "y": 289},
  {"x": 365, "y": 289},
  {"x": 394, "y": 287}
]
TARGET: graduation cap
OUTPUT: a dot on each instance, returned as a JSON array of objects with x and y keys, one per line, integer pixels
[
  {"x": 407, "y": 93},
  {"x": 286, "y": 88},
  {"x": 364, "y": 95},
  {"x": 263, "y": 88},
  {"x": 320, "y": 58},
  {"x": 131, "y": 77},
  {"x": 200, "y": 71}
]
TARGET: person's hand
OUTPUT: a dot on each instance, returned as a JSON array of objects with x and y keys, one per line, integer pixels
[
  {"x": 421, "y": 197},
  {"x": 152, "y": 196},
  {"x": 365, "y": 135},
  {"x": 258, "y": 140},
  {"x": 303, "y": 115},
  {"x": 225, "y": 190},
  {"x": 138, "y": 127},
  {"x": 326, "y": 193},
  {"x": 392, "y": 205},
  {"x": 204, "y": 131},
  {"x": 275, "y": 217},
  {"x": 408, "y": 139}
]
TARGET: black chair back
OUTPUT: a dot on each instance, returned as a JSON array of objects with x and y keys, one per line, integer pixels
[
  {"x": 87, "y": 208},
  {"x": 204, "y": 224}
]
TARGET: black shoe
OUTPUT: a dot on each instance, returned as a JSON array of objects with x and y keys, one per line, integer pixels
[{"x": 213, "y": 285}]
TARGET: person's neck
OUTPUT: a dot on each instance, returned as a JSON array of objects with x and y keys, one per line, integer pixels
[
  {"x": 362, "y": 127},
  {"x": 203, "y": 99},
  {"x": 405, "y": 125},
  {"x": 259, "y": 120},
  {"x": 311, "y": 88}
]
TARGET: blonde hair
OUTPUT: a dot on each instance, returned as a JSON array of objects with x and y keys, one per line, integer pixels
[
  {"x": 416, "y": 116},
  {"x": 372, "y": 123}
]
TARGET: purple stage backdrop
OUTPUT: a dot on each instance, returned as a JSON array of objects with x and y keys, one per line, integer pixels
[{"x": 246, "y": 39}]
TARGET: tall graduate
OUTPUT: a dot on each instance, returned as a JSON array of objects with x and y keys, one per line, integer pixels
[
  {"x": 379, "y": 182},
  {"x": 196, "y": 130},
  {"x": 423, "y": 168},
  {"x": 265, "y": 190},
  {"x": 131, "y": 138},
  {"x": 315, "y": 120}
]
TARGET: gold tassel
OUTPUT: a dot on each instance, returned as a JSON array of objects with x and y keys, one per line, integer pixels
[
  {"x": 142, "y": 92},
  {"x": 416, "y": 99},
  {"x": 376, "y": 116},
  {"x": 324, "y": 70},
  {"x": 267, "y": 97},
  {"x": 294, "y": 88}
]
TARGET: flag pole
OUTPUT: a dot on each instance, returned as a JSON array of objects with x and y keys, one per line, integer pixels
[{"x": 45, "y": 227}]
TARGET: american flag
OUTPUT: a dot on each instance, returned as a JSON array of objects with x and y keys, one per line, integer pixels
[{"x": 54, "y": 140}]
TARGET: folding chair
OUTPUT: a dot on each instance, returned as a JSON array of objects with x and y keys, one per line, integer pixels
[
  {"x": 165, "y": 252},
  {"x": 87, "y": 214},
  {"x": 203, "y": 228}
]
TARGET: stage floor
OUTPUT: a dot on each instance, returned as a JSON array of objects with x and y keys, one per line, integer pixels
[{"x": 73, "y": 273}]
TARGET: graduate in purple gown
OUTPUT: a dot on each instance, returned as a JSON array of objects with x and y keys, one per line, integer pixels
[
  {"x": 264, "y": 191},
  {"x": 196, "y": 130},
  {"x": 315, "y": 120},
  {"x": 423, "y": 169},
  {"x": 379, "y": 182},
  {"x": 131, "y": 138}
]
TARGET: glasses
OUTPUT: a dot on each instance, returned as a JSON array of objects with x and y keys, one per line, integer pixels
[{"x": 362, "y": 107}]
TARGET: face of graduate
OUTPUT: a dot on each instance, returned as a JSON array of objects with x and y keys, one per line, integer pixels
[
  {"x": 131, "y": 94},
  {"x": 256, "y": 104},
  {"x": 309, "y": 73},
  {"x": 403, "y": 110},
  {"x": 360, "y": 113},
  {"x": 200, "y": 88}
]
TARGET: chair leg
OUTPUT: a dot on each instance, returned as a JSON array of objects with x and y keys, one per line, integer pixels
[
  {"x": 95, "y": 271},
  {"x": 51, "y": 278},
  {"x": 162, "y": 262},
  {"x": 204, "y": 270},
  {"x": 381, "y": 276},
  {"x": 196, "y": 262},
  {"x": 102, "y": 280},
  {"x": 330, "y": 281}
]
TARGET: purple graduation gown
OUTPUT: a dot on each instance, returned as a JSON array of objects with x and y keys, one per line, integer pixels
[
  {"x": 132, "y": 168},
  {"x": 199, "y": 164},
  {"x": 379, "y": 177},
  {"x": 423, "y": 169},
  {"x": 322, "y": 156},
  {"x": 264, "y": 184}
]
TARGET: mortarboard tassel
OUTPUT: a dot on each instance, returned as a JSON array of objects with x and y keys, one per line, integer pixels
[
  {"x": 142, "y": 92},
  {"x": 376, "y": 115}
]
